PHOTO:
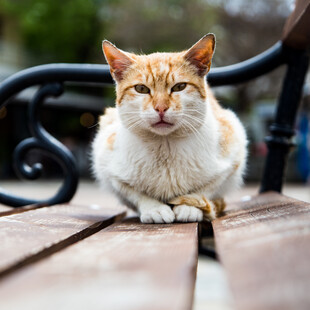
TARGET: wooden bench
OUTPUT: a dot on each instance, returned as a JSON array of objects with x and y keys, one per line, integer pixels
[
  {"x": 60, "y": 255},
  {"x": 87, "y": 257},
  {"x": 263, "y": 245}
]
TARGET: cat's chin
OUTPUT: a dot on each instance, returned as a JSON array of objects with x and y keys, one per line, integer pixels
[
  {"x": 162, "y": 128},
  {"x": 162, "y": 124}
]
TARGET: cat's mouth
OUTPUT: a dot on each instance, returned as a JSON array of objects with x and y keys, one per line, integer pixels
[{"x": 162, "y": 124}]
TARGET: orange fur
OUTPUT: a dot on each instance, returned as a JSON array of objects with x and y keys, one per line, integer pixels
[
  {"x": 110, "y": 141},
  {"x": 236, "y": 166},
  {"x": 193, "y": 200},
  {"x": 161, "y": 102},
  {"x": 147, "y": 103},
  {"x": 206, "y": 209},
  {"x": 187, "y": 200},
  {"x": 226, "y": 134},
  {"x": 226, "y": 129},
  {"x": 219, "y": 206},
  {"x": 159, "y": 71},
  {"x": 202, "y": 203}
]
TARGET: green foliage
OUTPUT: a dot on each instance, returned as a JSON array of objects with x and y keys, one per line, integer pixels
[
  {"x": 155, "y": 25},
  {"x": 71, "y": 30},
  {"x": 56, "y": 30}
]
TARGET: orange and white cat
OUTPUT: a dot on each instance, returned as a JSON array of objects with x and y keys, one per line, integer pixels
[{"x": 168, "y": 149}]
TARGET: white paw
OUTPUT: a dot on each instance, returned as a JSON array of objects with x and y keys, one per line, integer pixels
[
  {"x": 158, "y": 214},
  {"x": 184, "y": 213}
]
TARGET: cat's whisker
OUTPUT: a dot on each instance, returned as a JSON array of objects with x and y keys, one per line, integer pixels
[
  {"x": 193, "y": 117},
  {"x": 187, "y": 130},
  {"x": 135, "y": 124},
  {"x": 137, "y": 113},
  {"x": 197, "y": 120},
  {"x": 194, "y": 131},
  {"x": 193, "y": 110},
  {"x": 131, "y": 120},
  {"x": 194, "y": 123},
  {"x": 92, "y": 126}
]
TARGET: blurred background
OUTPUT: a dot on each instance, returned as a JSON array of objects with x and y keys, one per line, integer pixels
[{"x": 34, "y": 32}]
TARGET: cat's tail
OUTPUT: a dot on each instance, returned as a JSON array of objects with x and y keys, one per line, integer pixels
[{"x": 109, "y": 117}]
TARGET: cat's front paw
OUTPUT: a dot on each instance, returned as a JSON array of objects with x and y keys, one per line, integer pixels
[
  {"x": 184, "y": 213},
  {"x": 157, "y": 215}
]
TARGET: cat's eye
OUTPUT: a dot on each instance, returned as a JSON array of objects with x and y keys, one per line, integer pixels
[
  {"x": 142, "y": 89},
  {"x": 178, "y": 87}
]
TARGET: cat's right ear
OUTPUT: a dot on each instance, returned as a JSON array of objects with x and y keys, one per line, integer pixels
[{"x": 118, "y": 61}]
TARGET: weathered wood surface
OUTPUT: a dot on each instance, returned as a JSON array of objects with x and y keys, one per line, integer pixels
[
  {"x": 296, "y": 31},
  {"x": 5, "y": 211},
  {"x": 4, "y": 208},
  {"x": 32, "y": 235},
  {"x": 125, "y": 266},
  {"x": 265, "y": 249}
]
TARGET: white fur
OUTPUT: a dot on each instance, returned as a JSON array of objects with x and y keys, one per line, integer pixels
[
  {"x": 148, "y": 167},
  {"x": 184, "y": 213}
]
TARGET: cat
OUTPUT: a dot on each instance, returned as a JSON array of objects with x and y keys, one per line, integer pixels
[{"x": 168, "y": 149}]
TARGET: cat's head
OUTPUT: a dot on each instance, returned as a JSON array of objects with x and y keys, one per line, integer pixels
[{"x": 162, "y": 93}]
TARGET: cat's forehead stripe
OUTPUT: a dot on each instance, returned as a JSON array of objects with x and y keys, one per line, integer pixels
[
  {"x": 150, "y": 71},
  {"x": 159, "y": 70}
]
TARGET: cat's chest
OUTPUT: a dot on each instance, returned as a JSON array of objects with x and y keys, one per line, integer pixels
[{"x": 165, "y": 170}]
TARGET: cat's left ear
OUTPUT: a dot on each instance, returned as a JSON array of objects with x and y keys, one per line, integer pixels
[
  {"x": 200, "y": 54},
  {"x": 118, "y": 60}
]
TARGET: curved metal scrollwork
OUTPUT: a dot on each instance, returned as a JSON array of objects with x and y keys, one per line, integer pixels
[{"x": 44, "y": 141}]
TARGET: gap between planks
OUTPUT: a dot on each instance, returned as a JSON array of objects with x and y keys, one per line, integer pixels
[
  {"x": 33, "y": 235},
  {"x": 127, "y": 265}
]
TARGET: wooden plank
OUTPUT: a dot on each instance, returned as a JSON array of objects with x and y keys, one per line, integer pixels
[
  {"x": 4, "y": 208},
  {"x": 33, "y": 235},
  {"x": 125, "y": 266},
  {"x": 296, "y": 32},
  {"x": 253, "y": 202},
  {"x": 265, "y": 250},
  {"x": 87, "y": 194},
  {"x": 5, "y": 211}
]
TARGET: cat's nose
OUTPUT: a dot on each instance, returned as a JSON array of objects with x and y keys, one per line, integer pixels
[
  {"x": 161, "y": 109},
  {"x": 161, "y": 114}
]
